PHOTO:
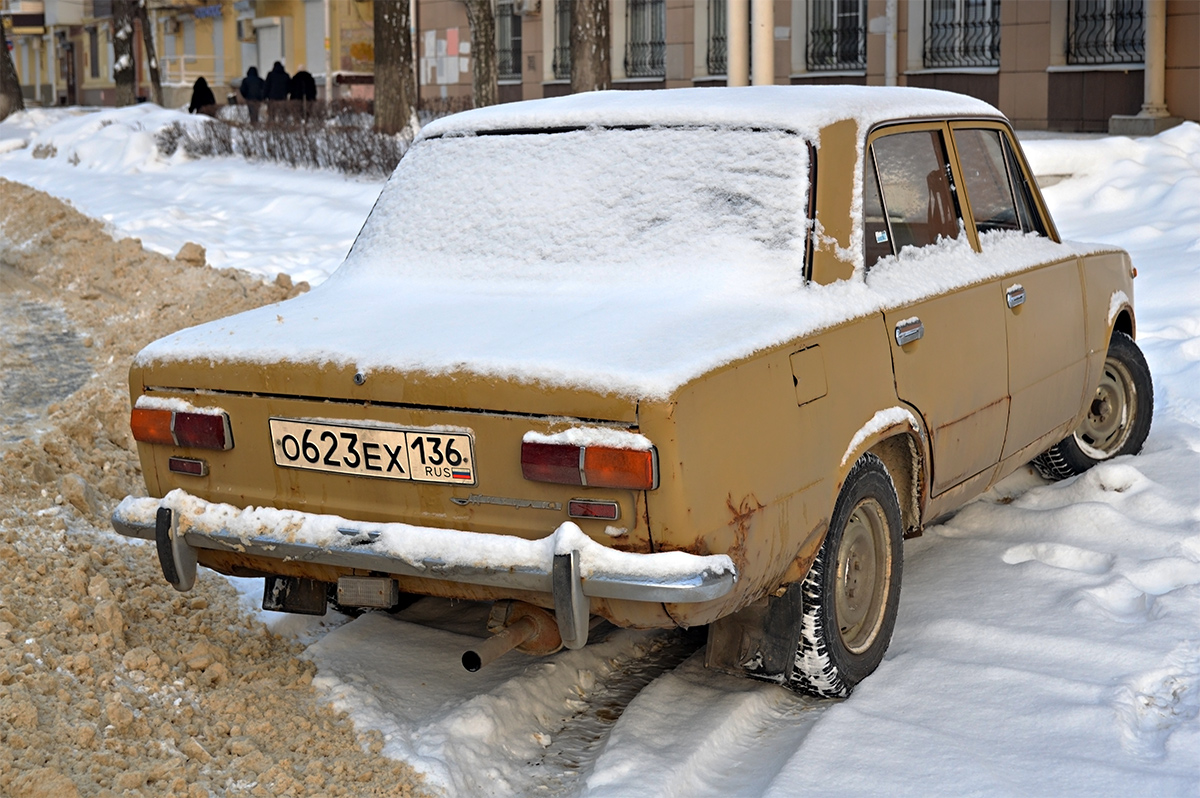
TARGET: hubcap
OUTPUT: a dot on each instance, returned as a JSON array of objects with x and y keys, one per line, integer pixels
[
  {"x": 863, "y": 573},
  {"x": 1108, "y": 422}
]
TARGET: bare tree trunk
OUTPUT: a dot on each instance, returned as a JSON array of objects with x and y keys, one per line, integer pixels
[
  {"x": 590, "y": 66},
  {"x": 124, "y": 14},
  {"x": 483, "y": 52},
  {"x": 394, "y": 81},
  {"x": 151, "y": 55},
  {"x": 11, "y": 100}
]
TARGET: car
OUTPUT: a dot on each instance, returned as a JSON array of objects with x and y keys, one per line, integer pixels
[{"x": 687, "y": 358}]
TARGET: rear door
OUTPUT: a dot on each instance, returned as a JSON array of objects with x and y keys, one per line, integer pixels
[
  {"x": 1044, "y": 314},
  {"x": 949, "y": 351}
]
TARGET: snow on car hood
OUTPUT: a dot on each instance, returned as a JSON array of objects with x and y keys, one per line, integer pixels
[{"x": 643, "y": 343}]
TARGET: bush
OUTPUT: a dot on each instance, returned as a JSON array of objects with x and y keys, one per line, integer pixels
[{"x": 337, "y": 136}]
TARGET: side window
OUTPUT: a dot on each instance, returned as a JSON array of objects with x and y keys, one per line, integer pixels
[
  {"x": 996, "y": 189},
  {"x": 1031, "y": 220},
  {"x": 875, "y": 226},
  {"x": 985, "y": 172},
  {"x": 915, "y": 188}
]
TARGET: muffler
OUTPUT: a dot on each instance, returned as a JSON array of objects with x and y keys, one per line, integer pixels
[{"x": 515, "y": 624}]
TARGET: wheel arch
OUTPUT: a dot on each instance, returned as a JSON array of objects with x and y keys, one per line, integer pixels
[
  {"x": 901, "y": 442},
  {"x": 1124, "y": 322}
]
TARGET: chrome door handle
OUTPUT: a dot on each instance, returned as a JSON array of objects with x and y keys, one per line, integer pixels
[
  {"x": 1015, "y": 296},
  {"x": 909, "y": 330}
]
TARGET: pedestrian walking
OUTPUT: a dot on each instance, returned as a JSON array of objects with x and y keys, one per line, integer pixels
[
  {"x": 203, "y": 101},
  {"x": 254, "y": 89},
  {"x": 278, "y": 81}
]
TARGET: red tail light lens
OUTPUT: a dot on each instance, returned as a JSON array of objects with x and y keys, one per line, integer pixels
[
  {"x": 198, "y": 430},
  {"x": 203, "y": 431},
  {"x": 548, "y": 462},
  {"x": 593, "y": 466}
]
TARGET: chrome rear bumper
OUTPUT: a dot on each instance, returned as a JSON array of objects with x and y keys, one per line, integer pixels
[{"x": 566, "y": 564}]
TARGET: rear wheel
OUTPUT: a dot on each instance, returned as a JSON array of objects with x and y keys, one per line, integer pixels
[
  {"x": 1118, "y": 418},
  {"x": 852, "y": 591}
]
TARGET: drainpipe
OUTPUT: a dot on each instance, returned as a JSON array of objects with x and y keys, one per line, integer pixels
[
  {"x": 328, "y": 53},
  {"x": 737, "y": 59},
  {"x": 889, "y": 70},
  {"x": 763, "y": 43},
  {"x": 52, "y": 64}
]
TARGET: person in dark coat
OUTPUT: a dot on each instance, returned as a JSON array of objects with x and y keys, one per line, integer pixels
[
  {"x": 254, "y": 89},
  {"x": 203, "y": 100},
  {"x": 303, "y": 86},
  {"x": 278, "y": 81},
  {"x": 303, "y": 91}
]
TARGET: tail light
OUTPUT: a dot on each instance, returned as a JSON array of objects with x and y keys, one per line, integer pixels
[
  {"x": 178, "y": 428},
  {"x": 591, "y": 466}
]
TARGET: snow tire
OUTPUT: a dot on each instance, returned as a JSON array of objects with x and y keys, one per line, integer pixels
[
  {"x": 842, "y": 636},
  {"x": 1118, "y": 419}
]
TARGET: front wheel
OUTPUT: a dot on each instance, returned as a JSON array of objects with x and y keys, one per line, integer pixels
[
  {"x": 852, "y": 591},
  {"x": 1118, "y": 418}
]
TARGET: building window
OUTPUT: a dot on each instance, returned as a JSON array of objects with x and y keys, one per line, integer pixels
[
  {"x": 508, "y": 41},
  {"x": 962, "y": 33},
  {"x": 645, "y": 38},
  {"x": 717, "y": 51},
  {"x": 836, "y": 35},
  {"x": 1106, "y": 32},
  {"x": 562, "y": 39}
]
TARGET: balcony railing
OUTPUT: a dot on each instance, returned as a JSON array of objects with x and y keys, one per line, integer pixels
[
  {"x": 962, "y": 33},
  {"x": 508, "y": 41},
  {"x": 646, "y": 41},
  {"x": 837, "y": 35},
  {"x": 1106, "y": 32},
  {"x": 717, "y": 49},
  {"x": 562, "y": 39}
]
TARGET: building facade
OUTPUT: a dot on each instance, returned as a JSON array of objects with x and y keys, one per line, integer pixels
[{"x": 1071, "y": 65}]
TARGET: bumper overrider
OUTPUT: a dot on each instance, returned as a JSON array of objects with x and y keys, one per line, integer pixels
[{"x": 566, "y": 564}]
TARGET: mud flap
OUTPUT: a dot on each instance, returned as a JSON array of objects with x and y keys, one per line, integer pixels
[
  {"x": 177, "y": 558},
  {"x": 759, "y": 641}
]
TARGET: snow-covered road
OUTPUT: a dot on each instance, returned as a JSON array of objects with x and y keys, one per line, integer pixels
[{"x": 1048, "y": 641}]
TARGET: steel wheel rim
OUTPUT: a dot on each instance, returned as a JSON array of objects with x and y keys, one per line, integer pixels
[
  {"x": 862, "y": 577},
  {"x": 1108, "y": 423}
]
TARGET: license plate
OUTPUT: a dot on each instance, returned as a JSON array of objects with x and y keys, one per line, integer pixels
[{"x": 382, "y": 452}]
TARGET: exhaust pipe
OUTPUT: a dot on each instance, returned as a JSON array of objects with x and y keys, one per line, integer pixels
[
  {"x": 500, "y": 644},
  {"x": 515, "y": 624}
]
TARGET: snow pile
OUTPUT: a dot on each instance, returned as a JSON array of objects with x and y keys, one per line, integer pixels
[{"x": 262, "y": 218}]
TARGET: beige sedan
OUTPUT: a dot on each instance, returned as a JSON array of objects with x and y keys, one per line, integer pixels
[{"x": 683, "y": 358}]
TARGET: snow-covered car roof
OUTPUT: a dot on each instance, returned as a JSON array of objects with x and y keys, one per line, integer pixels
[{"x": 804, "y": 109}]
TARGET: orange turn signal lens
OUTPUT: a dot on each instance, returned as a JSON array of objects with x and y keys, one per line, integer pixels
[
  {"x": 151, "y": 426},
  {"x": 591, "y": 466},
  {"x": 620, "y": 468}
]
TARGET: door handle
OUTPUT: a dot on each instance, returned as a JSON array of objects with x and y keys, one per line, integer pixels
[
  {"x": 1015, "y": 296},
  {"x": 909, "y": 330}
]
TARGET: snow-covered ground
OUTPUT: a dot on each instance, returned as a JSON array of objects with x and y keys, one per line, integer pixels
[{"x": 1049, "y": 634}]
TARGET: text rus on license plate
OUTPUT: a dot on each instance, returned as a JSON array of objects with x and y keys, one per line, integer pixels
[{"x": 382, "y": 452}]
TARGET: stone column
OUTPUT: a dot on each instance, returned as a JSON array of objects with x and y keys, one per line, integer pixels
[
  {"x": 763, "y": 43},
  {"x": 737, "y": 43}
]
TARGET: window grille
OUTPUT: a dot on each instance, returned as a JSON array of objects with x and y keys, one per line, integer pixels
[
  {"x": 508, "y": 41},
  {"x": 562, "y": 39},
  {"x": 836, "y": 35},
  {"x": 962, "y": 33},
  {"x": 717, "y": 52},
  {"x": 1106, "y": 32},
  {"x": 646, "y": 43}
]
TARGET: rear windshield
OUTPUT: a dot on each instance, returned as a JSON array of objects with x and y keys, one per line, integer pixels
[{"x": 616, "y": 204}]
